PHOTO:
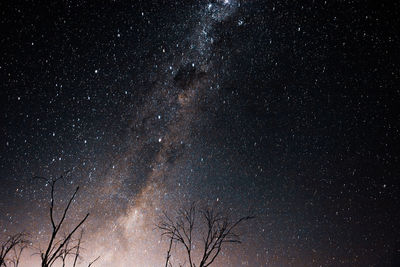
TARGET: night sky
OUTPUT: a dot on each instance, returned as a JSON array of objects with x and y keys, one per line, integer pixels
[{"x": 284, "y": 109}]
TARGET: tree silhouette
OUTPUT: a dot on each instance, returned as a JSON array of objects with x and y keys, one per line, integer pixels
[
  {"x": 12, "y": 248},
  {"x": 59, "y": 248},
  {"x": 219, "y": 230}
]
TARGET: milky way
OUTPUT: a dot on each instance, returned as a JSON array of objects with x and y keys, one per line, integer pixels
[
  {"x": 145, "y": 177},
  {"x": 285, "y": 110},
  {"x": 163, "y": 131}
]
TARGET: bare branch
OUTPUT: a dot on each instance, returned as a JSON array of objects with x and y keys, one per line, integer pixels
[
  {"x": 90, "y": 263},
  {"x": 12, "y": 248},
  {"x": 78, "y": 247},
  {"x": 220, "y": 229},
  {"x": 59, "y": 248}
]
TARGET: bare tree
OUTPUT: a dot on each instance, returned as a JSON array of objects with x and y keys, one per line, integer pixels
[
  {"x": 57, "y": 248},
  {"x": 12, "y": 249},
  {"x": 219, "y": 230}
]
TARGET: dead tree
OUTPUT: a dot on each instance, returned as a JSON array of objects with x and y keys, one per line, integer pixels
[
  {"x": 12, "y": 249},
  {"x": 57, "y": 247},
  {"x": 219, "y": 230}
]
